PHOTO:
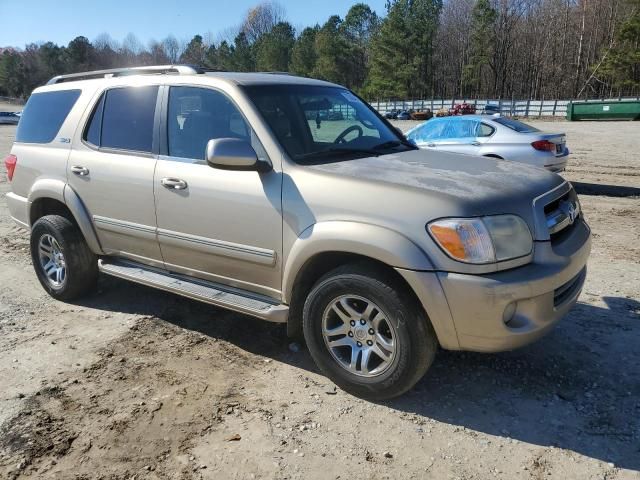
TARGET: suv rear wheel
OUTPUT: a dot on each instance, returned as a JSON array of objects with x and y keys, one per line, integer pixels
[
  {"x": 366, "y": 333},
  {"x": 63, "y": 262}
]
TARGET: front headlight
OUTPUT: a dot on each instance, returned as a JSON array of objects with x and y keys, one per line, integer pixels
[{"x": 484, "y": 239}]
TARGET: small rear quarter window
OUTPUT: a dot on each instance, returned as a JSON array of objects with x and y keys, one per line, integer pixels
[{"x": 44, "y": 114}]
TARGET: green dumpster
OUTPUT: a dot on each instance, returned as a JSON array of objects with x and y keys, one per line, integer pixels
[{"x": 617, "y": 110}]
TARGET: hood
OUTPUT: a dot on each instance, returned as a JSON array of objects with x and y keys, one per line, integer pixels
[{"x": 480, "y": 183}]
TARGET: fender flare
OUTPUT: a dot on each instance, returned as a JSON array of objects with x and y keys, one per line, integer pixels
[
  {"x": 379, "y": 243},
  {"x": 59, "y": 190}
]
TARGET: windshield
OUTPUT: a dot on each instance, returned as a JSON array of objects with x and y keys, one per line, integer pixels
[
  {"x": 515, "y": 125},
  {"x": 324, "y": 123}
]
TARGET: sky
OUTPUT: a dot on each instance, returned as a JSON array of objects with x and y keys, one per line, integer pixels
[{"x": 59, "y": 21}]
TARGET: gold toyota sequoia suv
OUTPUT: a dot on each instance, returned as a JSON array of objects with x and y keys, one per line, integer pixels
[{"x": 292, "y": 200}]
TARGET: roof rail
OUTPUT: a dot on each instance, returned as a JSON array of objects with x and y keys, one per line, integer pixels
[{"x": 121, "y": 72}]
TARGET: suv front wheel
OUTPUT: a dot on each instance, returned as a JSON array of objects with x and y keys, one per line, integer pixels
[
  {"x": 366, "y": 333},
  {"x": 63, "y": 262}
]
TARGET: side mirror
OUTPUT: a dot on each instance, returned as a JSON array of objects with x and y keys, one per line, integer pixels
[{"x": 234, "y": 154}]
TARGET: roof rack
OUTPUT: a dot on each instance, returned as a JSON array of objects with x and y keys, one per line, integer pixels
[{"x": 121, "y": 72}]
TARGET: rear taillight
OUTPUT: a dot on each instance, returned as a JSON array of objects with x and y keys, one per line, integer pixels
[
  {"x": 10, "y": 162},
  {"x": 544, "y": 145}
]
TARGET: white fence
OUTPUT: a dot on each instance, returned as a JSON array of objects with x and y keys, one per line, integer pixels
[
  {"x": 521, "y": 108},
  {"x": 15, "y": 101}
]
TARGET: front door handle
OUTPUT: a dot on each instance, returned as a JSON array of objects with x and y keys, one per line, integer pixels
[
  {"x": 80, "y": 171},
  {"x": 430, "y": 144},
  {"x": 173, "y": 183}
]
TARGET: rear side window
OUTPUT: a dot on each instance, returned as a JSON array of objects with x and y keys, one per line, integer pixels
[
  {"x": 123, "y": 119},
  {"x": 484, "y": 130},
  {"x": 44, "y": 114}
]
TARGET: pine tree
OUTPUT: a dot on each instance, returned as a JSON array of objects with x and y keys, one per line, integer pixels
[
  {"x": 622, "y": 63},
  {"x": 196, "y": 52},
  {"x": 243, "y": 54},
  {"x": 332, "y": 50},
  {"x": 402, "y": 50},
  {"x": 481, "y": 40},
  {"x": 273, "y": 49},
  {"x": 304, "y": 55}
]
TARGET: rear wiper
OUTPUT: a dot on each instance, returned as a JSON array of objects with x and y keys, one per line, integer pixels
[
  {"x": 394, "y": 143},
  {"x": 330, "y": 152}
]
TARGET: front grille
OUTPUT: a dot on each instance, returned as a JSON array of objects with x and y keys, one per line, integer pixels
[
  {"x": 566, "y": 291},
  {"x": 562, "y": 214}
]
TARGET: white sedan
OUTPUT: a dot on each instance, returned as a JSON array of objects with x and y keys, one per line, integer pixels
[{"x": 493, "y": 136}]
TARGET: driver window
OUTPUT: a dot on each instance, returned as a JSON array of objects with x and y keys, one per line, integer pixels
[
  {"x": 461, "y": 129},
  {"x": 431, "y": 131},
  {"x": 328, "y": 118},
  {"x": 197, "y": 115}
]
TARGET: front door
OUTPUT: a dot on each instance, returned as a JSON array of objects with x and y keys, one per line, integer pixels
[
  {"x": 112, "y": 167},
  {"x": 220, "y": 225}
]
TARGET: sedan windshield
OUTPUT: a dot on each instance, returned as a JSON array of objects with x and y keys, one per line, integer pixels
[{"x": 324, "y": 123}]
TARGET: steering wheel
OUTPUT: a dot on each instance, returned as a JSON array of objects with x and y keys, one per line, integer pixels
[{"x": 352, "y": 128}]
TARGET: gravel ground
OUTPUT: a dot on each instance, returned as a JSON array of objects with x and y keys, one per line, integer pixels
[{"x": 136, "y": 383}]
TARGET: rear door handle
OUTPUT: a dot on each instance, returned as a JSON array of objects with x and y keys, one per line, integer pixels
[
  {"x": 80, "y": 171},
  {"x": 475, "y": 144},
  {"x": 173, "y": 183}
]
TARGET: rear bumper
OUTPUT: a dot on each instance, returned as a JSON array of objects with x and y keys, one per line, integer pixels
[
  {"x": 509, "y": 309},
  {"x": 559, "y": 163},
  {"x": 18, "y": 209}
]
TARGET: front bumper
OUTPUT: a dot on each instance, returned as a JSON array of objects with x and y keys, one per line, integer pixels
[{"x": 509, "y": 309}]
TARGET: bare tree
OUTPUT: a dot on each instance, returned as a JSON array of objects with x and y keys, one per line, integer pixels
[
  {"x": 172, "y": 48},
  {"x": 260, "y": 19}
]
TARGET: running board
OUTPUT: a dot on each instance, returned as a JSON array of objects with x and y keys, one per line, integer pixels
[{"x": 208, "y": 292}]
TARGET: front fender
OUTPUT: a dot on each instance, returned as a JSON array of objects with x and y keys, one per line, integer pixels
[{"x": 379, "y": 243}]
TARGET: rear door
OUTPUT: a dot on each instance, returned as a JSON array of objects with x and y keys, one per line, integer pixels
[{"x": 111, "y": 168}]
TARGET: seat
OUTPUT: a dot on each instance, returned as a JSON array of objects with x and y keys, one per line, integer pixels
[{"x": 282, "y": 128}]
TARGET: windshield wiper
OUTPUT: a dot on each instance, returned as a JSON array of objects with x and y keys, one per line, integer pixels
[
  {"x": 331, "y": 152},
  {"x": 394, "y": 143}
]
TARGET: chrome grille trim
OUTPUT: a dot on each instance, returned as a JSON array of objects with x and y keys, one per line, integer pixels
[{"x": 560, "y": 218}]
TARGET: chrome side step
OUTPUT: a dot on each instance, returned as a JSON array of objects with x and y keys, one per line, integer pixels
[{"x": 208, "y": 292}]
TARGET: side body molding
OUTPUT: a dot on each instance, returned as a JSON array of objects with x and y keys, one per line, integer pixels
[
  {"x": 57, "y": 189},
  {"x": 382, "y": 244}
]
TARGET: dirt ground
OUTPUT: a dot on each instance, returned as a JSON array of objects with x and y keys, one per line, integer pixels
[{"x": 137, "y": 383}]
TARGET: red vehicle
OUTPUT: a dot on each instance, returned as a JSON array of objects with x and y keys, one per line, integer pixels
[{"x": 462, "y": 109}]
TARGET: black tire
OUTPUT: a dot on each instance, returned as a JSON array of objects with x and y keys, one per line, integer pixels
[
  {"x": 80, "y": 262},
  {"x": 416, "y": 343}
]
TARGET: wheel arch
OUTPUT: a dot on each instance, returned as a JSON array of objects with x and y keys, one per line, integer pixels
[
  {"x": 327, "y": 245},
  {"x": 55, "y": 197}
]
